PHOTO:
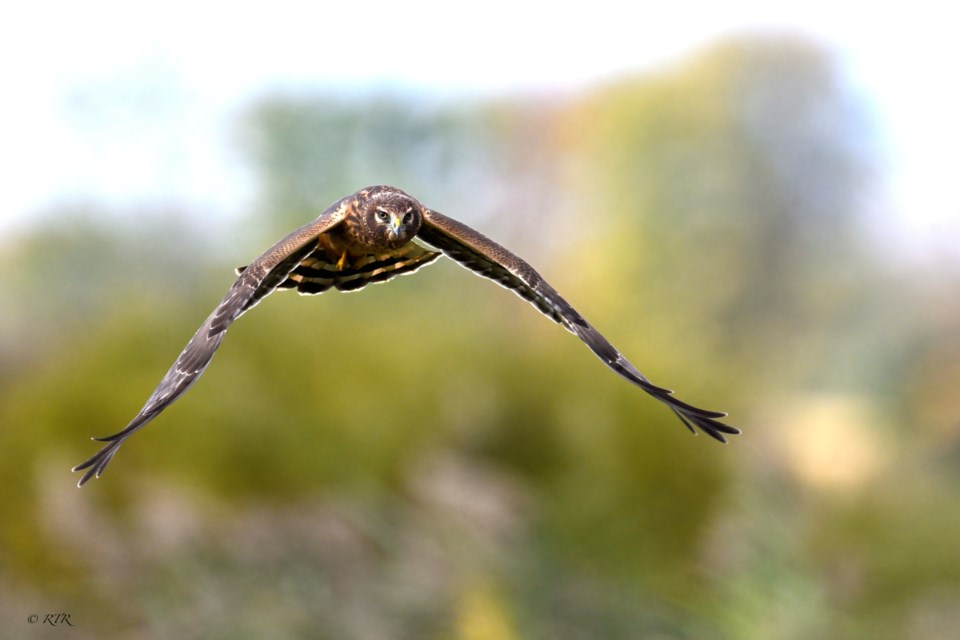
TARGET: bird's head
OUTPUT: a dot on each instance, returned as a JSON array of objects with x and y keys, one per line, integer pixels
[{"x": 390, "y": 218}]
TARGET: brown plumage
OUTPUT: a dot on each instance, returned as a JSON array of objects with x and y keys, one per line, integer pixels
[{"x": 368, "y": 237}]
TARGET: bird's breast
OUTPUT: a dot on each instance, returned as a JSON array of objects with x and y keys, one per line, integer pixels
[{"x": 344, "y": 248}]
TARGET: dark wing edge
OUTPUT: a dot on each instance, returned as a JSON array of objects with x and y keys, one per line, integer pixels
[
  {"x": 257, "y": 281},
  {"x": 485, "y": 257},
  {"x": 317, "y": 273}
]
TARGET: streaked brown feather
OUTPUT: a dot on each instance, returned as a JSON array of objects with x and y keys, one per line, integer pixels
[
  {"x": 316, "y": 273},
  {"x": 485, "y": 257},
  {"x": 342, "y": 249}
]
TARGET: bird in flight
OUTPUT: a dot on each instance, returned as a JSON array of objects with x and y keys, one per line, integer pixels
[{"x": 369, "y": 237}]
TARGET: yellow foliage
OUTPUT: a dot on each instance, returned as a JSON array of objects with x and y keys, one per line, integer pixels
[{"x": 482, "y": 614}]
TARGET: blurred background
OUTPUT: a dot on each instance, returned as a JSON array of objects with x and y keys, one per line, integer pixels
[{"x": 757, "y": 206}]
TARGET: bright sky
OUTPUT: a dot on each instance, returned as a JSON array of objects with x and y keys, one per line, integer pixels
[{"x": 77, "y": 75}]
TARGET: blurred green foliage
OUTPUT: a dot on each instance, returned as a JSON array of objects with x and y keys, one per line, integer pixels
[{"x": 433, "y": 459}]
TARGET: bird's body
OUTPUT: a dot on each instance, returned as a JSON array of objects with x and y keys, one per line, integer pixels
[{"x": 369, "y": 237}]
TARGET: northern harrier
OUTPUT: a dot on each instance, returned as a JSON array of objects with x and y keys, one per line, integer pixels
[{"x": 368, "y": 237}]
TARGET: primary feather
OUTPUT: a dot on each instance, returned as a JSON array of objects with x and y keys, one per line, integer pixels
[{"x": 368, "y": 237}]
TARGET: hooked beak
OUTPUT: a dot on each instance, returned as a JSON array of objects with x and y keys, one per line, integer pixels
[{"x": 394, "y": 226}]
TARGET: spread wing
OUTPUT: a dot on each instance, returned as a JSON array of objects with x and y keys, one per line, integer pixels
[
  {"x": 485, "y": 257},
  {"x": 258, "y": 280}
]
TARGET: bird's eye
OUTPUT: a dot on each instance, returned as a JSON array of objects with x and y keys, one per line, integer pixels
[
  {"x": 408, "y": 217},
  {"x": 382, "y": 216}
]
